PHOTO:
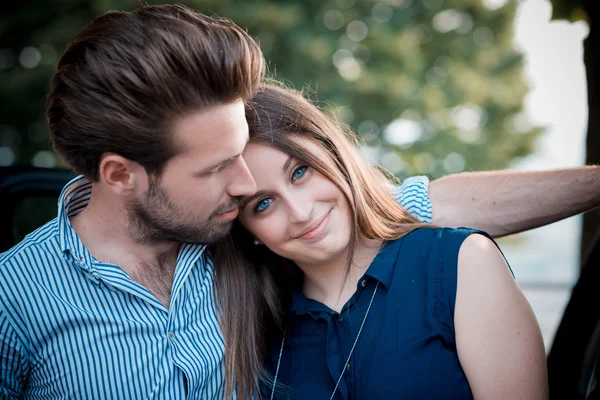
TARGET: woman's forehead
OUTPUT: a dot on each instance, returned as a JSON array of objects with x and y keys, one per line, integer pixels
[{"x": 302, "y": 144}]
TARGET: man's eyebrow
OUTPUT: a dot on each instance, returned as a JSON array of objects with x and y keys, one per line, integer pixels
[
  {"x": 217, "y": 165},
  {"x": 248, "y": 199},
  {"x": 222, "y": 163}
]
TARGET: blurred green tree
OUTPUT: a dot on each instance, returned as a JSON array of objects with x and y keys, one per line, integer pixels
[
  {"x": 433, "y": 86},
  {"x": 572, "y": 10}
]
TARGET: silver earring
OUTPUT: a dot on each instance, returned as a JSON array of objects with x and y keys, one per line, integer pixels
[{"x": 257, "y": 242}]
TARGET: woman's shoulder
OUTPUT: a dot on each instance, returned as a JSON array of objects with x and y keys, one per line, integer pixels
[
  {"x": 457, "y": 244},
  {"x": 434, "y": 251},
  {"x": 438, "y": 253},
  {"x": 446, "y": 237},
  {"x": 479, "y": 254},
  {"x": 429, "y": 248}
]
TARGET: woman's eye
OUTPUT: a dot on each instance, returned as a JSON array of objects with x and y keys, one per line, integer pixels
[
  {"x": 299, "y": 172},
  {"x": 262, "y": 205}
]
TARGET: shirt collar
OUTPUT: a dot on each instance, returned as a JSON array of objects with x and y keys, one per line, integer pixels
[
  {"x": 381, "y": 269},
  {"x": 303, "y": 305},
  {"x": 73, "y": 199},
  {"x": 383, "y": 266}
]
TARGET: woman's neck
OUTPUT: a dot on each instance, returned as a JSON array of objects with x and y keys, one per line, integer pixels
[{"x": 328, "y": 282}]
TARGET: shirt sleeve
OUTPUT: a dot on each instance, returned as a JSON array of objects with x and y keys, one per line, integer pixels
[
  {"x": 13, "y": 361},
  {"x": 413, "y": 195}
]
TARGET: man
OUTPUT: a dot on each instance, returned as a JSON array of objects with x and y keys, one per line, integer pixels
[
  {"x": 111, "y": 300},
  {"x": 114, "y": 297}
]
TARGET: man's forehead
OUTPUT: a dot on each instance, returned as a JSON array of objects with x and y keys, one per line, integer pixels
[
  {"x": 214, "y": 132},
  {"x": 219, "y": 116}
]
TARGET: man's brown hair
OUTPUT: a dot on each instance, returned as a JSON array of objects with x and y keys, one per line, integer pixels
[{"x": 127, "y": 76}]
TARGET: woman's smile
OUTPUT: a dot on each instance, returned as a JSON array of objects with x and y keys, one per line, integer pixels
[{"x": 316, "y": 230}]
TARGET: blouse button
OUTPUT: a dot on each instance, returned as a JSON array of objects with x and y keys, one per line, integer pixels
[
  {"x": 340, "y": 318},
  {"x": 363, "y": 283}
]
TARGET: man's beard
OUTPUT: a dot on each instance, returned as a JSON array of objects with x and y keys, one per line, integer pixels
[{"x": 155, "y": 219}]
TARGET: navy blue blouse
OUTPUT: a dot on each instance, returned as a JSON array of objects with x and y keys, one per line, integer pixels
[{"x": 406, "y": 349}]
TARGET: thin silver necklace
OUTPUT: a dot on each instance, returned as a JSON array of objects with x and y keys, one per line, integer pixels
[{"x": 347, "y": 360}]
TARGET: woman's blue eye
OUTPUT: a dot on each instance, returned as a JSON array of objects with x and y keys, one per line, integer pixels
[
  {"x": 299, "y": 172},
  {"x": 262, "y": 205}
]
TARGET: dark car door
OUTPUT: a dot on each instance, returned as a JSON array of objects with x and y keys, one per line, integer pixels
[{"x": 29, "y": 199}]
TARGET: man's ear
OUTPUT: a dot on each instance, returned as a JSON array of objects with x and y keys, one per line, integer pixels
[{"x": 121, "y": 175}]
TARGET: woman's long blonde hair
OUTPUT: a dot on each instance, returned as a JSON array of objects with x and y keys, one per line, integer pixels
[{"x": 253, "y": 285}]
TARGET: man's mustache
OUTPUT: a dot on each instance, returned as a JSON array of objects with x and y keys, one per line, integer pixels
[{"x": 232, "y": 203}]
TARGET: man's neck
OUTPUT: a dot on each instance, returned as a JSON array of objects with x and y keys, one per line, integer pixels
[
  {"x": 102, "y": 227},
  {"x": 329, "y": 284}
]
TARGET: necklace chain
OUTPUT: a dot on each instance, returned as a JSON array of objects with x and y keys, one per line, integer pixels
[{"x": 347, "y": 360}]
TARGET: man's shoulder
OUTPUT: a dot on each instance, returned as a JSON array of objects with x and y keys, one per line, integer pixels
[{"x": 30, "y": 252}]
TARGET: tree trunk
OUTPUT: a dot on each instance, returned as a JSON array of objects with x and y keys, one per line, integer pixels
[
  {"x": 583, "y": 311},
  {"x": 591, "y": 57}
]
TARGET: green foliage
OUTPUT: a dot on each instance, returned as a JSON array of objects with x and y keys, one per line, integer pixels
[
  {"x": 441, "y": 74},
  {"x": 571, "y": 10}
]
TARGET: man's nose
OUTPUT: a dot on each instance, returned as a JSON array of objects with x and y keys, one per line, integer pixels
[{"x": 243, "y": 183}]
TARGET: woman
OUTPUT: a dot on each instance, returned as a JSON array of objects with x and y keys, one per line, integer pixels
[{"x": 345, "y": 295}]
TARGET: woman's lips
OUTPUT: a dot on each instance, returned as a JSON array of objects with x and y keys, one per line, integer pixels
[{"x": 316, "y": 229}]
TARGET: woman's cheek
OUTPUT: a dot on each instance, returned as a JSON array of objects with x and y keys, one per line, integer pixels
[{"x": 273, "y": 234}]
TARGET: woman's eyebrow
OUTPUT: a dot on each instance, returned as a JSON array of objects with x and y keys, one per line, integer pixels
[{"x": 260, "y": 193}]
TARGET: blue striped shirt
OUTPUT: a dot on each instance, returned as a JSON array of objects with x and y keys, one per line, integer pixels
[
  {"x": 72, "y": 327},
  {"x": 413, "y": 194}
]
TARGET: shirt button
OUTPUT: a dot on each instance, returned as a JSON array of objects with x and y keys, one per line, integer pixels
[
  {"x": 348, "y": 367},
  {"x": 363, "y": 283},
  {"x": 171, "y": 335},
  {"x": 340, "y": 318}
]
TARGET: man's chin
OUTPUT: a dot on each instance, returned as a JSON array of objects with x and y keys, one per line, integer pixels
[
  {"x": 216, "y": 232},
  {"x": 220, "y": 230}
]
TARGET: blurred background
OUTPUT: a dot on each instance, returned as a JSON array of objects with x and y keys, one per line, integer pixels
[{"x": 434, "y": 87}]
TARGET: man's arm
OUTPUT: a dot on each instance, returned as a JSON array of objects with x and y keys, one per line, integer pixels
[{"x": 506, "y": 202}]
